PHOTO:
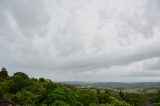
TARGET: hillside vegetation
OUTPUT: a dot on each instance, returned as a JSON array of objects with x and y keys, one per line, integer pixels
[{"x": 25, "y": 91}]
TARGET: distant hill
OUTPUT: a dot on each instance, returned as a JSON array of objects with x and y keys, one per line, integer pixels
[{"x": 117, "y": 84}]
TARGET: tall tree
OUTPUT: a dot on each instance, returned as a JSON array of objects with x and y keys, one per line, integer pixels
[
  {"x": 3, "y": 74},
  {"x": 22, "y": 75}
]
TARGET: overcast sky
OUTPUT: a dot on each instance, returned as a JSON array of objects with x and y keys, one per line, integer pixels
[{"x": 81, "y": 40}]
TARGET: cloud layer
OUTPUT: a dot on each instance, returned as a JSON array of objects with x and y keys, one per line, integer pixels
[{"x": 86, "y": 40}]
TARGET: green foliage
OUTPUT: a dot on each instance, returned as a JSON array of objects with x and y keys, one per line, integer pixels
[
  {"x": 92, "y": 104},
  {"x": 42, "y": 80},
  {"x": 21, "y": 74},
  {"x": 43, "y": 104},
  {"x": 134, "y": 99},
  {"x": 121, "y": 94},
  {"x": 156, "y": 104},
  {"x": 116, "y": 102},
  {"x": 62, "y": 94},
  {"x": 27, "y": 91},
  {"x": 1, "y": 94},
  {"x": 24, "y": 97},
  {"x": 104, "y": 98},
  {"x": 50, "y": 86},
  {"x": 155, "y": 99},
  {"x": 14, "y": 84},
  {"x": 59, "y": 103},
  {"x": 3, "y": 74},
  {"x": 87, "y": 96}
]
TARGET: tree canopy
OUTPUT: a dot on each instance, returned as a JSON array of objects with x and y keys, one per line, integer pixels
[{"x": 24, "y": 91}]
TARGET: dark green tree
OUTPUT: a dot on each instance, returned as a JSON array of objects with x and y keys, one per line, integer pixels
[
  {"x": 62, "y": 94},
  {"x": 87, "y": 96},
  {"x": 1, "y": 94},
  {"x": 3, "y": 74},
  {"x": 104, "y": 98},
  {"x": 121, "y": 94},
  {"x": 59, "y": 103},
  {"x": 21, "y": 74},
  {"x": 14, "y": 84},
  {"x": 42, "y": 80}
]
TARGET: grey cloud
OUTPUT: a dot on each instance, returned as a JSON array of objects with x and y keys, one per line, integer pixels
[
  {"x": 78, "y": 36},
  {"x": 28, "y": 15},
  {"x": 145, "y": 74},
  {"x": 92, "y": 62},
  {"x": 153, "y": 64},
  {"x": 153, "y": 14}
]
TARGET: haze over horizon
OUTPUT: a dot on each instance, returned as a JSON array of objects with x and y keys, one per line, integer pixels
[{"x": 81, "y": 40}]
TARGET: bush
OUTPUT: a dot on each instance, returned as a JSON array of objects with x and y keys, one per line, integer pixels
[
  {"x": 1, "y": 94},
  {"x": 21, "y": 74},
  {"x": 156, "y": 104},
  {"x": 87, "y": 96},
  {"x": 103, "y": 98},
  {"x": 59, "y": 103},
  {"x": 92, "y": 104},
  {"x": 116, "y": 102},
  {"x": 62, "y": 94}
]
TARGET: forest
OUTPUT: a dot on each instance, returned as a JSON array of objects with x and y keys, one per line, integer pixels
[{"x": 26, "y": 91}]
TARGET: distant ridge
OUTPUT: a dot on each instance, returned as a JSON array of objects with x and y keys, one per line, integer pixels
[{"x": 116, "y": 84}]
